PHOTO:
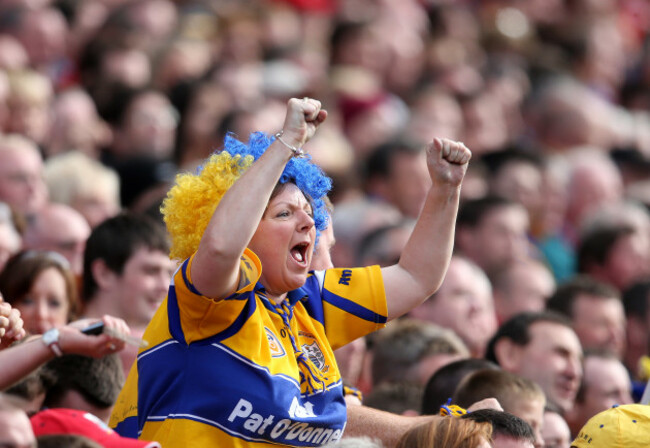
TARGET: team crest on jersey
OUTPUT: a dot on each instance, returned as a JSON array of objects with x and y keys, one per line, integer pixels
[
  {"x": 314, "y": 354},
  {"x": 275, "y": 346}
]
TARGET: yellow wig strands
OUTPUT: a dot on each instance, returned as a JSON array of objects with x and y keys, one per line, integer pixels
[{"x": 190, "y": 203}]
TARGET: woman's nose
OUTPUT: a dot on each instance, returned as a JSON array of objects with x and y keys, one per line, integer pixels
[{"x": 306, "y": 221}]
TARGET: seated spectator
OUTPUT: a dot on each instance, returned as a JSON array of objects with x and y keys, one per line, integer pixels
[
  {"x": 384, "y": 245},
  {"x": 555, "y": 430},
  {"x": 15, "y": 430},
  {"x": 520, "y": 286},
  {"x": 464, "y": 304},
  {"x": 75, "y": 422},
  {"x": 76, "y": 126},
  {"x": 508, "y": 431},
  {"x": 126, "y": 273},
  {"x": 605, "y": 383},
  {"x": 396, "y": 173},
  {"x": 594, "y": 182},
  {"x": 354, "y": 219},
  {"x": 518, "y": 175},
  {"x": 443, "y": 383},
  {"x": 59, "y": 228},
  {"x": 21, "y": 175},
  {"x": 41, "y": 286},
  {"x": 29, "y": 105},
  {"x": 618, "y": 255},
  {"x": 544, "y": 348},
  {"x": 492, "y": 232},
  {"x": 92, "y": 189},
  {"x": 410, "y": 350},
  {"x": 146, "y": 128},
  {"x": 621, "y": 426},
  {"x": 449, "y": 432},
  {"x": 596, "y": 313},
  {"x": 516, "y": 395},
  {"x": 84, "y": 383}
]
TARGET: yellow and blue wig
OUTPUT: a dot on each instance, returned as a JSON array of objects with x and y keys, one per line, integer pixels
[{"x": 190, "y": 203}]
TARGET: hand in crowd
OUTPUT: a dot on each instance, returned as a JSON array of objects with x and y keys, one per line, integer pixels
[
  {"x": 72, "y": 340},
  {"x": 447, "y": 161},
  {"x": 11, "y": 325}
]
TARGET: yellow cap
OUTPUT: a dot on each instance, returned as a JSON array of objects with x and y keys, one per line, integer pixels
[{"x": 625, "y": 426}]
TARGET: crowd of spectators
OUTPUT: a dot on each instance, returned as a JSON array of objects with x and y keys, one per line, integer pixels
[{"x": 103, "y": 102}]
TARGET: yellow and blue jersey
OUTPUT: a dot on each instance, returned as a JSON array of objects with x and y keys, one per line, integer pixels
[{"x": 244, "y": 371}]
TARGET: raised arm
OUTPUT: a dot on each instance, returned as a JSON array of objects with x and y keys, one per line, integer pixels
[
  {"x": 424, "y": 261},
  {"x": 236, "y": 218}
]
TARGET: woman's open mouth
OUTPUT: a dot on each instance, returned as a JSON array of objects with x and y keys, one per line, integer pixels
[{"x": 299, "y": 252}]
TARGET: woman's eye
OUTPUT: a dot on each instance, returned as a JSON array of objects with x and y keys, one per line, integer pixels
[
  {"x": 26, "y": 301},
  {"x": 283, "y": 214}
]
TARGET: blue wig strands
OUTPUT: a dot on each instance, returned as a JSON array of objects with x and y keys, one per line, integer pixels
[{"x": 307, "y": 176}]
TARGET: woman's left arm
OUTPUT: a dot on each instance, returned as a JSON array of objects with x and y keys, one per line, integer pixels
[{"x": 425, "y": 259}]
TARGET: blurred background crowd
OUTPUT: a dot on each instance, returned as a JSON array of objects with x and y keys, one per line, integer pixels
[{"x": 102, "y": 102}]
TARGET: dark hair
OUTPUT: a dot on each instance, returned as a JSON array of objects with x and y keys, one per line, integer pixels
[
  {"x": 503, "y": 423},
  {"x": 508, "y": 388},
  {"x": 596, "y": 246},
  {"x": 99, "y": 380},
  {"x": 566, "y": 294},
  {"x": 382, "y": 158},
  {"x": 472, "y": 212},
  {"x": 373, "y": 244},
  {"x": 116, "y": 240},
  {"x": 33, "y": 385},
  {"x": 497, "y": 160},
  {"x": 405, "y": 343},
  {"x": 442, "y": 384},
  {"x": 636, "y": 299},
  {"x": 22, "y": 269},
  {"x": 395, "y": 397},
  {"x": 517, "y": 329}
]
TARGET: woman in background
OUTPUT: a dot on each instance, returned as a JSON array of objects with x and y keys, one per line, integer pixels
[
  {"x": 448, "y": 432},
  {"x": 41, "y": 286}
]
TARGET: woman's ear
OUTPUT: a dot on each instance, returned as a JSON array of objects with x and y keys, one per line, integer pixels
[{"x": 508, "y": 354}]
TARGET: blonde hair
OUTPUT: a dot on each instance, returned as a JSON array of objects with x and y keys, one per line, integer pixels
[
  {"x": 30, "y": 86},
  {"x": 73, "y": 174}
]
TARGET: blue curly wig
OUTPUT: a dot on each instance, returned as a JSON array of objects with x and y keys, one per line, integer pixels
[{"x": 190, "y": 203}]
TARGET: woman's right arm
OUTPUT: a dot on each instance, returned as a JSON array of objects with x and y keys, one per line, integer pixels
[
  {"x": 20, "y": 360},
  {"x": 236, "y": 218}
]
